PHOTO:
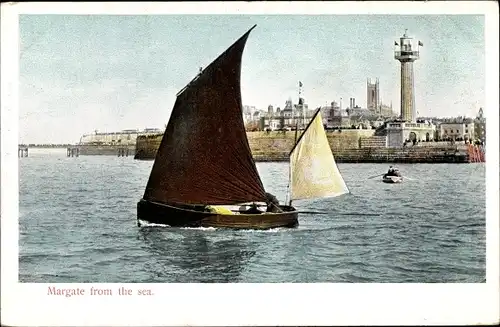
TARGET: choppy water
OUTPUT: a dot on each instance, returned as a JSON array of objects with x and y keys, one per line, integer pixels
[{"x": 77, "y": 223}]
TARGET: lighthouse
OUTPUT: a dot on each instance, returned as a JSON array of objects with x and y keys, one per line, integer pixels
[
  {"x": 406, "y": 52},
  {"x": 407, "y": 130}
]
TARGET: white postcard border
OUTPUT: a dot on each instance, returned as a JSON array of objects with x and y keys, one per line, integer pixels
[{"x": 244, "y": 304}]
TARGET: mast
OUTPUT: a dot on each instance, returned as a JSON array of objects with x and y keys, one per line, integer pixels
[{"x": 288, "y": 198}]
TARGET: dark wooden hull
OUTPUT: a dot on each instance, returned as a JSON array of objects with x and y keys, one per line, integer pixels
[
  {"x": 392, "y": 179},
  {"x": 192, "y": 216}
]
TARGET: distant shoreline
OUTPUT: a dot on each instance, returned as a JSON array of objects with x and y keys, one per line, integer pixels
[{"x": 46, "y": 146}]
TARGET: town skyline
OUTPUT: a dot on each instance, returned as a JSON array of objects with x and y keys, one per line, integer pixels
[{"x": 108, "y": 73}]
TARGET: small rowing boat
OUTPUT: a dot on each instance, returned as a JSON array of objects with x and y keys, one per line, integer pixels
[
  {"x": 392, "y": 179},
  {"x": 392, "y": 176}
]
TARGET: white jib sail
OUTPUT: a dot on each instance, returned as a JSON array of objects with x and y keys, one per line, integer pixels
[{"x": 313, "y": 171}]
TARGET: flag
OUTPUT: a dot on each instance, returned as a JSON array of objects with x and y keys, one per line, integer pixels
[
  {"x": 300, "y": 84},
  {"x": 396, "y": 43},
  {"x": 420, "y": 43}
]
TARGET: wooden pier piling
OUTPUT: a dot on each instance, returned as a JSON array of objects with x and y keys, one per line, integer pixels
[
  {"x": 22, "y": 152},
  {"x": 122, "y": 152},
  {"x": 73, "y": 152}
]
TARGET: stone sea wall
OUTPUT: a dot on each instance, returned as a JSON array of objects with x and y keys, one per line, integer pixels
[
  {"x": 263, "y": 143},
  {"x": 385, "y": 155},
  {"x": 354, "y": 145}
]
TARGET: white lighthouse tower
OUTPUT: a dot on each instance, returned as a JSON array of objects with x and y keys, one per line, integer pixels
[{"x": 407, "y": 52}]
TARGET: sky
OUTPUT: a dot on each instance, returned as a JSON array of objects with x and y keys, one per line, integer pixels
[{"x": 80, "y": 73}]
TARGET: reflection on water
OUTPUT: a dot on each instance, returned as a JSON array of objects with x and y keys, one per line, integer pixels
[{"x": 191, "y": 255}]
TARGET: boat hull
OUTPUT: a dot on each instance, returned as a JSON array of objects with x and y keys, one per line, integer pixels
[
  {"x": 192, "y": 216},
  {"x": 392, "y": 179}
]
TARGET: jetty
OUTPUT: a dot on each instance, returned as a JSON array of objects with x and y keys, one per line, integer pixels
[
  {"x": 123, "y": 151},
  {"x": 107, "y": 150},
  {"x": 22, "y": 151},
  {"x": 73, "y": 151}
]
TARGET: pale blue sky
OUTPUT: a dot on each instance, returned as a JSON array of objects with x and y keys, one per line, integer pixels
[{"x": 81, "y": 73}]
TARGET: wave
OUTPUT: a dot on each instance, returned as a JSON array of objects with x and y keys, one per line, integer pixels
[
  {"x": 148, "y": 224},
  {"x": 200, "y": 228},
  {"x": 271, "y": 230}
]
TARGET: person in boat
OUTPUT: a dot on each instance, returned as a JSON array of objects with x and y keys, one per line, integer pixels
[
  {"x": 253, "y": 209},
  {"x": 273, "y": 205},
  {"x": 393, "y": 172}
]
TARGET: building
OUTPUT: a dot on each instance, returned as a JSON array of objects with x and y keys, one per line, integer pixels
[
  {"x": 457, "y": 131},
  {"x": 372, "y": 95},
  {"x": 257, "y": 115},
  {"x": 373, "y": 100},
  {"x": 374, "y": 115},
  {"x": 378, "y": 122},
  {"x": 328, "y": 113},
  {"x": 289, "y": 117},
  {"x": 248, "y": 113},
  {"x": 270, "y": 110},
  {"x": 350, "y": 117},
  {"x": 274, "y": 123},
  {"x": 459, "y": 128},
  {"x": 385, "y": 110},
  {"x": 401, "y": 132},
  {"x": 480, "y": 127}
]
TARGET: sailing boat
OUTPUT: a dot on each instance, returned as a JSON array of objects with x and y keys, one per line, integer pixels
[
  {"x": 204, "y": 159},
  {"x": 313, "y": 170}
]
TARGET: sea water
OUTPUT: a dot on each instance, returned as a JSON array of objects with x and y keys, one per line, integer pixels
[{"x": 77, "y": 223}]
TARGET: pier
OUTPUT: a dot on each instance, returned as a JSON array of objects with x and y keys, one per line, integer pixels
[
  {"x": 106, "y": 150},
  {"x": 22, "y": 151},
  {"x": 123, "y": 152},
  {"x": 73, "y": 151}
]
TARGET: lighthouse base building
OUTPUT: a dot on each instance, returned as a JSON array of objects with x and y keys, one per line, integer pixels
[{"x": 399, "y": 133}]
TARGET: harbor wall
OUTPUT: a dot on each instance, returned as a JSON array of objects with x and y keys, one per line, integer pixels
[
  {"x": 385, "y": 155},
  {"x": 284, "y": 141},
  {"x": 350, "y": 146},
  {"x": 265, "y": 142}
]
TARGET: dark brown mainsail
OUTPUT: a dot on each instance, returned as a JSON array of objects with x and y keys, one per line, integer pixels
[
  {"x": 204, "y": 159},
  {"x": 204, "y": 156}
]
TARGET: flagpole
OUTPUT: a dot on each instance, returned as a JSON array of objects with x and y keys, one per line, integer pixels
[
  {"x": 300, "y": 91},
  {"x": 302, "y": 105},
  {"x": 304, "y": 113}
]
